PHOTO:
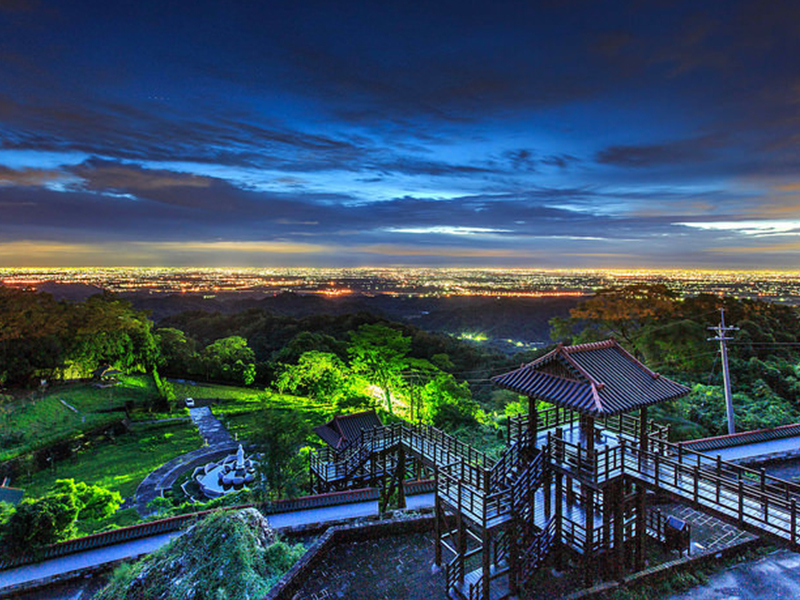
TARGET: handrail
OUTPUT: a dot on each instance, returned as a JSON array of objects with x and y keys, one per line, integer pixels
[
  {"x": 624, "y": 424},
  {"x": 752, "y": 498}
]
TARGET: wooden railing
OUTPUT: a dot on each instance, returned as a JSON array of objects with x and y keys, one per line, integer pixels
[
  {"x": 573, "y": 535},
  {"x": 432, "y": 444},
  {"x": 465, "y": 498},
  {"x": 549, "y": 418},
  {"x": 454, "y": 572},
  {"x": 631, "y": 426},
  {"x": 751, "y": 498},
  {"x": 626, "y": 424},
  {"x": 534, "y": 555},
  {"x": 574, "y": 457},
  {"x": 528, "y": 481}
]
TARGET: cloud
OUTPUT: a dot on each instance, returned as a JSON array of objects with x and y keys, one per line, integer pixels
[
  {"x": 16, "y": 6},
  {"x": 447, "y": 230},
  {"x": 100, "y": 175},
  {"x": 787, "y": 248},
  {"x": 398, "y": 250},
  {"x": 237, "y": 246},
  {"x": 30, "y": 177},
  {"x": 654, "y": 155},
  {"x": 750, "y": 228}
]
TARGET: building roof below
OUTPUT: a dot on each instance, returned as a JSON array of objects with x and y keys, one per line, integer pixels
[{"x": 343, "y": 429}]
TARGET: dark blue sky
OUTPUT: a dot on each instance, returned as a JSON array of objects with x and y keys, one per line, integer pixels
[{"x": 526, "y": 134}]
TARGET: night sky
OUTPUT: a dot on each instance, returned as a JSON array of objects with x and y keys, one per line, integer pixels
[{"x": 386, "y": 132}]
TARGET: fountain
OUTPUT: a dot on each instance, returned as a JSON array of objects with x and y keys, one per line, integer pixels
[{"x": 231, "y": 474}]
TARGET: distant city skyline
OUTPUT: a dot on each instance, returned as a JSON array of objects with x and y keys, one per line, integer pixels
[
  {"x": 545, "y": 134},
  {"x": 410, "y": 281}
]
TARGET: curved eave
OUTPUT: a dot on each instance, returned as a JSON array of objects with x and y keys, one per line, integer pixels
[{"x": 583, "y": 396}]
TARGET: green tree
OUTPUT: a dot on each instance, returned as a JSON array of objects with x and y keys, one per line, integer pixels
[
  {"x": 280, "y": 435},
  {"x": 94, "y": 502},
  {"x": 36, "y": 523},
  {"x": 448, "y": 403},
  {"x": 230, "y": 359},
  {"x": 33, "y": 332},
  {"x": 619, "y": 312},
  {"x": 178, "y": 353},
  {"x": 105, "y": 330},
  {"x": 321, "y": 375},
  {"x": 380, "y": 353}
]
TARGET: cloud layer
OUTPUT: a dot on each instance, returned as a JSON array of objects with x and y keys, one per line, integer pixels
[{"x": 317, "y": 133}]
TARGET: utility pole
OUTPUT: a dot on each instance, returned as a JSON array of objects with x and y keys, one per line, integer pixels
[{"x": 726, "y": 376}]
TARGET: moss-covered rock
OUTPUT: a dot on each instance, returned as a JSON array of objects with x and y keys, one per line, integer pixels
[{"x": 229, "y": 555}]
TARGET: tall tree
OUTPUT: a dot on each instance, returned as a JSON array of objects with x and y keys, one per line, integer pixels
[
  {"x": 280, "y": 434},
  {"x": 619, "y": 312},
  {"x": 230, "y": 359},
  {"x": 380, "y": 353},
  {"x": 321, "y": 375}
]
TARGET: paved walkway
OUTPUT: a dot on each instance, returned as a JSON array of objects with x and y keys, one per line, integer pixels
[
  {"x": 81, "y": 560},
  {"x": 164, "y": 477},
  {"x": 213, "y": 432},
  {"x": 774, "y": 576},
  {"x": 219, "y": 442}
]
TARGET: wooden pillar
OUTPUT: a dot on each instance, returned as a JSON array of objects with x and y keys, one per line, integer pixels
[
  {"x": 619, "y": 531},
  {"x": 437, "y": 530},
  {"x": 588, "y": 552},
  {"x": 401, "y": 478},
  {"x": 531, "y": 411},
  {"x": 513, "y": 581},
  {"x": 533, "y": 426},
  {"x": 548, "y": 494},
  {"x": 461, "y": 541},
  {"x": 641, "y": 525},
  {"x": 590, "y": 434},
  {"x": 643, "y": 441},
  {"x": 608, "y": 516},
  {"x": 486, "y": 540},
  {"x": 559, "y": 501},
  {"x": 586, "y": 491}
]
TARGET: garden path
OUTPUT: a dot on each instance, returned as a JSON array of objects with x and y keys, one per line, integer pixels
[
  {"x": 219, "y": 443},
  {"x": 212, "y": 430}
]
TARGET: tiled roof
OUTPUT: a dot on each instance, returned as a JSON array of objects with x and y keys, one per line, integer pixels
[
  {"x": 598, "y": 379},
  {"x": 342, "y": 429}
]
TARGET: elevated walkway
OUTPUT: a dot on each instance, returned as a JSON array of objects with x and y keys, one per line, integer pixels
[{"x": 500, "y": 518}]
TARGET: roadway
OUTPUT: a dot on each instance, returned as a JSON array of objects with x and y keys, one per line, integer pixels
[{"x": 100, "y": 556}]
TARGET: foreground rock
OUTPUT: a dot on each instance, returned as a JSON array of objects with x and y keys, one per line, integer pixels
[{"x": 229, "y": 555}]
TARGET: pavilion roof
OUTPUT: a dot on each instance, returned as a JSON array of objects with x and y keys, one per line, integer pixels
[
  {"x": 596, "y": 379},
  {"x": 342, "y": 429}
]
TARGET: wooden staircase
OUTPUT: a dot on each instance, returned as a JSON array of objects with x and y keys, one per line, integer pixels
[
  {"x": 489, "y": 515},
  {"x": 484, "y": 508}
]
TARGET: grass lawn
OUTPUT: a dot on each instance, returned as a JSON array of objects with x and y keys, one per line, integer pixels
[
  {"x": 240, "y": 416},
  {"x": 213, "y": 391},
  {"x": 36, "y": 422},
  {"x": 238, "y": 407},
  {"x": 121, "y": 464}
]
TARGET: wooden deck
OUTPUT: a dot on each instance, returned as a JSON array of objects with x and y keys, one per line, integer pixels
[{"x": 490, "y": 496}]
